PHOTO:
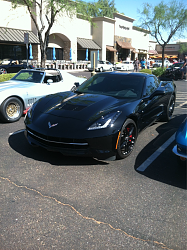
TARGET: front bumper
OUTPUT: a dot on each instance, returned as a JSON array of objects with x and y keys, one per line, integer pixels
[
  {"x": 180, "y": 154},
  {"x": 101, "y": 148}
]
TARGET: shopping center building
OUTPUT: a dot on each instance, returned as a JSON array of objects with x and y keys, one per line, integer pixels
[{"x": 73, "y": 38}]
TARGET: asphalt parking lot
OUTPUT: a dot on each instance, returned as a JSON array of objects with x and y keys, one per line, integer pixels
[{"x": 49, "y": 201}]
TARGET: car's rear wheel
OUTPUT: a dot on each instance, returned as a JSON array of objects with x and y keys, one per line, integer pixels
[
  {"x": 11, "y": 110},
  {"x": 4, "y": 71},
  {"x": 127, "y": 139},
  {"x": 101, "y": 69},
  {"x": 169, "y": 110}
]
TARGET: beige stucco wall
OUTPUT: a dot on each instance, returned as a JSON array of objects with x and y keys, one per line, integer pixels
[
  {"x": 103, "y": 34},
  {"x": 140, "y": 40},
  {"x": 18, "y": 18}
]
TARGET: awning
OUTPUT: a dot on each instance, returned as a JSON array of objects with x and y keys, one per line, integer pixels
[
  {"x": 16, "y": 35},
  {"x": 87, "y": 43},
  {"x": 153, "y": 52},
  {"x": 125, "y": 45},
  {"x": 110, "y": 48}
]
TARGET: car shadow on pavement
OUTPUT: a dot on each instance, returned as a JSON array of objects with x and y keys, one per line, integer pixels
[
  {"x": 164, "y": 168},
  {"x": 18, "y": 142}
]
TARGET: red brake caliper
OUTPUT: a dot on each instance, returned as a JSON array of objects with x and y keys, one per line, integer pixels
[{"x": 130, "y": 137}]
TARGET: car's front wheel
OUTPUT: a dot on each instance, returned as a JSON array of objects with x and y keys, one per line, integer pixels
[
  {"x": 11, "y": 110},
  {"x": 101, "y": 69},
  {"x": 127, "y": 139}
]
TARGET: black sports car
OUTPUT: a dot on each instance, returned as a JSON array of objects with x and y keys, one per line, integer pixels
[
  {"x": 173, "y": 72},
  {"x": 13, "y": 66},
  {"x": 102, "y": 117}
]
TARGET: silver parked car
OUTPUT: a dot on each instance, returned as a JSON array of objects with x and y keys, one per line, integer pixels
[{"x": 18, "y": 94}]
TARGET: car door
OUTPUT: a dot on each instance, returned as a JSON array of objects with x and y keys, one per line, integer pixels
[{"x": 152, "y": 103}]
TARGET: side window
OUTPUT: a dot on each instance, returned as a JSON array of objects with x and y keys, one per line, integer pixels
[
  {"x": 151, "y": 85},
  {"x": 157, "y": 82}
]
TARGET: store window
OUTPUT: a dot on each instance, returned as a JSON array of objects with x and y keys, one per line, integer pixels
[
  {"x": 58, "y": 54},
  {"x": 15, "y": 52}
]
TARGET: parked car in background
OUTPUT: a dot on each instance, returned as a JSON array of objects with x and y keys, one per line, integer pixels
[
  {"x": 158, "y": 63},
  {"x": 174, "y": 72},
  {"x": 102, "y": 66},
  {"x": 13, "y": 66},
  {"x": 102, "y": 117},
  {"x": 125, "y": 65},
  {"x": 180, "y": 149},
  {"x": 18, "y": 94}
]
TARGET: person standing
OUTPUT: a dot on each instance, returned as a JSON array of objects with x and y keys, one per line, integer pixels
[
  {"x": 184, "y": 68},
  {"x": 143, "y": 62},
  {"x": 148, "y": 63},
  {"x": 136, "y": 65}
]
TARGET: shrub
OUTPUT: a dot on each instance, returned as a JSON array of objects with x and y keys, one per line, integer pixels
[
  {"x": 159, "y": 71},
  {"x": 148, "y": 71},
  {"x": 6, "y": 77}
]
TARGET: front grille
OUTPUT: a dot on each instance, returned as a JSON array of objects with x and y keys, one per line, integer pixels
[{"x": 57, "y": 141}]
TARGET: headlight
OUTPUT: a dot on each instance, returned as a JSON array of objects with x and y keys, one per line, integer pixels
[{"x": 105, "y": 121}]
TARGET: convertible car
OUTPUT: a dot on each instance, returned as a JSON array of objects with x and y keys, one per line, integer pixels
[
  {"x": 18, "y": 94},
  {"x": 102, "y": 117},
  {"x": 13, "y": 66},
  {"x": 174, "y": 72}
]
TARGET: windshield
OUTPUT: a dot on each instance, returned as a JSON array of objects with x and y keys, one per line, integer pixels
[
  {"x": 117, "y": 85},
  {"x": 29, "y": 76}
]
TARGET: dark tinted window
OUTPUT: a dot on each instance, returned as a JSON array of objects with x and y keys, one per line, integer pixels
[
  {"x": 151, "y": 85},
  {"x": 117, "y": 85}
]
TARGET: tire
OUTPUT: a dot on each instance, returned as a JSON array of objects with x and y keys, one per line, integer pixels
[
  {"x": 127, "y": 139},
  {"x": 166, "y": 117},
  {"x": 11, "y": 109},
  {"x": 4, "y": 71},
  {"x": 101, "y": 69},
  {"x": 112, "y": 69}
]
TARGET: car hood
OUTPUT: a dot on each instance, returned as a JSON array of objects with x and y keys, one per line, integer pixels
[
  {"x": 77, "y": 106},
  {"x": 14, "y": 84}
]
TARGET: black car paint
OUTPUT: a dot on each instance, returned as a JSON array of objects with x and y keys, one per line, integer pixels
[
  {"x": 14, "y": 68},
  {"x": 80, "y": 110}
]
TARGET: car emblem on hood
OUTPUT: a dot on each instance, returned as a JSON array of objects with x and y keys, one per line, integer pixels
[{"x": 53, "y": 125}]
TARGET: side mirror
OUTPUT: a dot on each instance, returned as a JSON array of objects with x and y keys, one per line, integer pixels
[
  {"x": 76, "y": 84},
  {"x": 49, "y": 81}
]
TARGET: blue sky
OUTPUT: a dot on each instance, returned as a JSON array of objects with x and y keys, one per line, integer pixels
[{"x": 130, "y": 9}]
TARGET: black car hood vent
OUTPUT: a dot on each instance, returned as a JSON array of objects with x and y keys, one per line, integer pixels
[{"x": 68, "y": 106}]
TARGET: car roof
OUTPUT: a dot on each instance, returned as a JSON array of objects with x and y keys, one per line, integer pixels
[{"x": 125, "y": 74}]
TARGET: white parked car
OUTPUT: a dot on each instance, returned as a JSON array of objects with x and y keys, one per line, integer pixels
[
  {"x": 158, "y": 63},
  {"x": 27, "y": 86},
  {"x": 102, "y": 66},
  {"x": 125, "y": 65}
]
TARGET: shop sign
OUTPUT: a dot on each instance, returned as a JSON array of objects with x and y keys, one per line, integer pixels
[{"x": 124, "y": 28}]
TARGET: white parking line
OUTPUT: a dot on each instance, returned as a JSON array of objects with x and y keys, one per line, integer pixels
[
  {"x": 149, "y": 160},
  {"x": 19, "y": 131}
]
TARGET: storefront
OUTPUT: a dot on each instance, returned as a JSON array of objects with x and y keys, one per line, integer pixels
[{"x": 114, "y": 38}]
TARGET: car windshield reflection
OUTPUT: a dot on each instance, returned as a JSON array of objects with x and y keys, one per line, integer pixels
[
  {"x": 29, "y": 76},
  {"x": 119, "y": 86}
]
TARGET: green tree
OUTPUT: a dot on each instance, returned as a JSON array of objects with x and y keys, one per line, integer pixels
[
  {"x": 99, "y": 8},
  {"x": 44, "y": 14},
  {"x": 164, "y": 21},
  {"x": 183, "y": 48}
]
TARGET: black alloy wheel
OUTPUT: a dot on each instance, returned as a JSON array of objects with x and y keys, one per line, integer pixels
[
  {"x": 127, "y": 139},
  {"x": 166, "y": 117},
  {"x": 11, "y": 110}
]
